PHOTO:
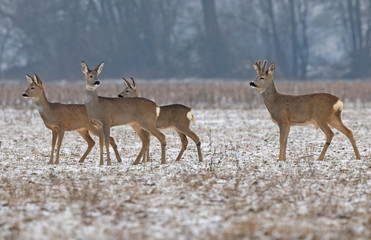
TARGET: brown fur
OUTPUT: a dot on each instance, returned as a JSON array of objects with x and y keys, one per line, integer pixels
[
  {"x": 63, "y": 117},
  {"x": 105, "y": 113},
  {"x": 171, "y": 116},
  {"x": 286, "y": 110}
]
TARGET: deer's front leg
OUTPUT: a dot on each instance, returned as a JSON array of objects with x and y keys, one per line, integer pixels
[
  {"x": 54, "y": 140},
  {"x": 106, "y": 137},
  {"x": 98, "y": 126},
  {"x": 284, "y": 133}
]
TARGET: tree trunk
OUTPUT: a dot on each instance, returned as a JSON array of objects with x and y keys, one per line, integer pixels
[{"x": 216, "y": 59}]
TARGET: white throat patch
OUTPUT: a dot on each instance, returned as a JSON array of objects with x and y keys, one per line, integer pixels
[{"x": 91, "y": 88}]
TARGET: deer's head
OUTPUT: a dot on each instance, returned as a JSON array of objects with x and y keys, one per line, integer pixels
[
  {"x": 91, "y": 76},
  {"x": 264, "y": 77},
  {"x": 130, "y": 89},
  {"x": 35, "y": 89}
]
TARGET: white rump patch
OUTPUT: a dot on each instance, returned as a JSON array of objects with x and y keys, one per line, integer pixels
[
  {"x": 158, "y": 111},
  {"x": 338, "y": 106},
  {"x": 190, "y": 115}
]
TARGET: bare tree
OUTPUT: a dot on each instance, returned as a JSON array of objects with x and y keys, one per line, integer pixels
[{"x": 216, "y": 59}]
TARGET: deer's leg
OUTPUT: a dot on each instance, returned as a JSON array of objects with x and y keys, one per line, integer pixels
[
  {"x": 144, "y": 137},
  {"x": 146, "y": 154},
  {"x": 183, "y": 139},
  {"x": 114, "y": 146},
  {"x": 161, "y": 137},
  {"x": 148, "y": 159},
  {"x": 106, "y": 137},
  {"x": 85, "y": 134},
  {"x": 329, "y": 135},
  {"x": 99, "y": 131},
  {"x": 54, "y": 140},
  {"x": 197, "y": 141},
  {"x": 59, "y": 143},
  {"x": 284, "y": 134},
  {"x": 338, "y": 124}
]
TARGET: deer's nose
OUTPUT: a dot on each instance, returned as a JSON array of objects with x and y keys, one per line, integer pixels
[
  {"x": 24, "y": 95},
  {"x": 97, "y": 83},
  {"x": 120, "y": 96},
  {"x": 252, "y": 84}
]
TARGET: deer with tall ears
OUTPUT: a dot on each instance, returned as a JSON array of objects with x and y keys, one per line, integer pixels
[
  {"x": 62, "y": 117},
  {"x": 320, "y": 109},
  {"x": 174, "y": 116},
  {"x": 106, "y": 112}
]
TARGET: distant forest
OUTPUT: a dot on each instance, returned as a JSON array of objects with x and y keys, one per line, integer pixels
[{"x": 308, "y": 39}]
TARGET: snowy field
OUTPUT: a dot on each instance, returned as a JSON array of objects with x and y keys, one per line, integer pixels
[{"x": 240, "y": 191}]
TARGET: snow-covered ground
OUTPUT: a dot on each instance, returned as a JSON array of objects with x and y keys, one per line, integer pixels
[{"x": 240, "y": 191}]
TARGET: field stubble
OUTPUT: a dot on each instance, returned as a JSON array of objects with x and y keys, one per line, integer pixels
[{"x": 240, "y": 191}]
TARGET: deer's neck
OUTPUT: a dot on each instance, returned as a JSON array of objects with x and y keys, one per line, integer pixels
[
  {"x": 42, "y": 104},
  {"x": 91, "y": 96},
  {"x": 270, "y": 96}
]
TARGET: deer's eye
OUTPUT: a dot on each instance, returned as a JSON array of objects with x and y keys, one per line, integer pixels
[
  {"x": 261, "y": 78},
  {"x": 91, "y": 76},
  {"x": 32, "y": 88}
]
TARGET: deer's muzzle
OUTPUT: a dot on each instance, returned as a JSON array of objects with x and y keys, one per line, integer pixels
[
  {"x": 97, "y": 83},
  {"x": 24, "y": 95},
  {"x": 252, "y": 84}
]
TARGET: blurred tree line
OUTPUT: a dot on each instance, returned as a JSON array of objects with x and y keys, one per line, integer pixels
[{"x": 185, "y": 38}]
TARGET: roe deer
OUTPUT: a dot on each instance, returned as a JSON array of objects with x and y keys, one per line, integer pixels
[
  {"x": 174, "y": 116},
  {"x": 63, "y": 117},
  {"x": 106, "y": 112},
  {"x": 320, "y": 109}
]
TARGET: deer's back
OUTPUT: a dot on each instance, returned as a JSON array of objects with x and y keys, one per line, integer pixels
[{"x": 120, "y": 111}]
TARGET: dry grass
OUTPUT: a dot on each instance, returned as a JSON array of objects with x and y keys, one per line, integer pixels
[
  {"x": 240, "y": 191},
  {"x": 220, "y": 94}
]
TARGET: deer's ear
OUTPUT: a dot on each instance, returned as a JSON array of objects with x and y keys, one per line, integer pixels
[
  {"x": 127, "y": 84},
  {"x": 29, "y": 78},
  {"x": 271, "y": 69},
  {"x": 99, "y": 68},
  {"x": 84, "y": 67},
  {"x": 133, "y": 84},
  {"x": 37, "y": 80}
]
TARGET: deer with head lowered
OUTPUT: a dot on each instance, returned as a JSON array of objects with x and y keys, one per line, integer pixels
[
  {"x": 63, "y": 117},
  {"x": 174, "y": 116},
  {"x": 105, "y": 112},
  {"x": 320, "y": 109}
]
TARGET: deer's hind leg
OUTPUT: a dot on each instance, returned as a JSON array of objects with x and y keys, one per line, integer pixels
[
  {"x": 183, "y": 139},
  {"x": 195, "y": 139},
  {"x": 144, "y": 137},
  {"x": 114, "y": 146},
  {"x": 161, "y": 137},
  {"x": 329, "y": 135},
  {"x": 336, "y": 123},
  {"x": 85, "y": 134}
]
